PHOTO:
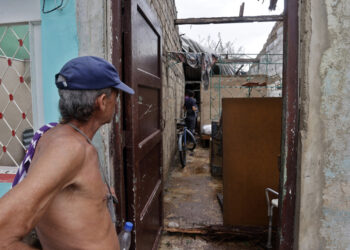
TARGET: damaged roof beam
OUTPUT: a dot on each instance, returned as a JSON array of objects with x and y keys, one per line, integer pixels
[
  {"x": 239, "y": 60},
  {"x": 239, "y": 19}
]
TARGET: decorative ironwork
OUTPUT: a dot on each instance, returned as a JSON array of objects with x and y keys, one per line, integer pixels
[{"x": 15, "y": 92}]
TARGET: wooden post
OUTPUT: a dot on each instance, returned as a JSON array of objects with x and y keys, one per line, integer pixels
[{"x": 241, "y": 10}]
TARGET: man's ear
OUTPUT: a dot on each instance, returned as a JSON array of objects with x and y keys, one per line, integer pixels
[{"x": 101, "y": 102}]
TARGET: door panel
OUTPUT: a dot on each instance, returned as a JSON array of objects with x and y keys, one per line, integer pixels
[
  {"x": 147, "y": 43},
  {"x": 143, "y": 152},
  {"x": 147, "y": 183},
  {"x": 148, "y": 111},
  {"x": 149, "y": 228}
]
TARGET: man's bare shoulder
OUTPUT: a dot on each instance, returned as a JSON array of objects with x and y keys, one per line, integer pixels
[
  {"x": 61, "y": 148},
  {"x": 62, "y": 139}
]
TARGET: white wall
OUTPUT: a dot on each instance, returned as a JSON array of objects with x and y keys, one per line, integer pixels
[{"x": 15, "y": 11}]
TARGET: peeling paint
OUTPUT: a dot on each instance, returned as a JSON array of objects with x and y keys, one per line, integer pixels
[{"x": 325, "y": 166}]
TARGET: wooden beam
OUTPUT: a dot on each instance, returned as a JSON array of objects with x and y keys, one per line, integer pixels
[
  {"x": 220, "y": 230},
  {"x": 241, "y": 10},
  {"x": 186, "y": 230},
  {"x": 243, "y": 19},
  {"x": 239, "y": 60},
  {"x": 193, "y": 82}
]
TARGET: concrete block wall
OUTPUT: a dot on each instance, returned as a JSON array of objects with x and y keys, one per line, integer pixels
[
  {"x": 324, "y": 178},
  {"x": 172, "y": 77},
  {"x": 227, "y": 87}
]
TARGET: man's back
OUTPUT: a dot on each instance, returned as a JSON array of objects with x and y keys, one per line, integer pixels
[
  {"x": 79, "y": 212},
  {"x": 70, "y": 196},
  {"x": 189, "y": 104},
  {"x": 63, "y": 195}
]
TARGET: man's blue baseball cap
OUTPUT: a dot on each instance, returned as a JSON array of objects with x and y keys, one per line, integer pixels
[{"x": 88, "y": 73}]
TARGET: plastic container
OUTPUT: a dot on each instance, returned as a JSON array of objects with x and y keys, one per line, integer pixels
[{"x": 125, "y": 236}]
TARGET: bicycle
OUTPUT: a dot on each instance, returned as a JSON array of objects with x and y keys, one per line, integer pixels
[{"x": 186, "y": 140}]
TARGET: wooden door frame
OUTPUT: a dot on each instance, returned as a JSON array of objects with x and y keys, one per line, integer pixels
[
  {"x": 290, "y": 127},
  {"x": 290, "y": 120},
  {"x": 117, "y": 135},
  {"x": 129, "y": 150}
]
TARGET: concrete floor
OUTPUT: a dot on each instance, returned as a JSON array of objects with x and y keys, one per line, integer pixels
[
  {"x": 190, "y": 194},
  {"x": 190, "y": 202}
]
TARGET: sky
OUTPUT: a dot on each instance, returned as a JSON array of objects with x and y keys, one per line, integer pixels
[{"x": 250, "y": 36}]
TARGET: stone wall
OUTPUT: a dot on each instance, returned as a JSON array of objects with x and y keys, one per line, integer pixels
[
  {"x": 324, "y": 178},
  {"x": 172, "y": 77}
]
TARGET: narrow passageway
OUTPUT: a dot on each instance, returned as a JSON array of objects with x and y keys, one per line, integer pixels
[
  {"x": 190, "y": 203},
  {"x": 190, "y": 194}
]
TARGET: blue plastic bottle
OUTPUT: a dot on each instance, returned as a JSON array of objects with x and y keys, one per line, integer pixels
[{"x": 125, "y": 236}]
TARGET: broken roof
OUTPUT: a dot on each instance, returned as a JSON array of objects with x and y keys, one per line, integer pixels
[
  {"x": 191, "y": 46},
  {"x": 273, "y": 4}
]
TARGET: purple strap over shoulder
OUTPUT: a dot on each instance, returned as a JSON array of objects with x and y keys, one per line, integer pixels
[{"x": 23, "y": 168}]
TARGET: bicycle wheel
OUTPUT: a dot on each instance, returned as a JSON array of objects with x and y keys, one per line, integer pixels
[
  {"x": 182, "y": 151},
  {"x": 190, "y": 141}
]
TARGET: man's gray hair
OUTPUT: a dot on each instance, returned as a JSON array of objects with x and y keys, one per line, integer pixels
[{"x": 79, "y": 104}]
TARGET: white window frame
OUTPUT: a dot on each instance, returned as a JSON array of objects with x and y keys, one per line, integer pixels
[{"x": 28, "y": 12}]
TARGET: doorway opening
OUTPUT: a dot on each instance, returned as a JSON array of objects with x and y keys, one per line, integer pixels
[
  {"x": 289, "y": 127},
  {"x": 285, "y": 159}
]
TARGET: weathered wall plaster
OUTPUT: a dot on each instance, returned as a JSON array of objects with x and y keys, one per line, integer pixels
[
  {"x": 324, "y": 212},
  {"x": 93, "y": 34},
  {"x": 91, "y": 26}
]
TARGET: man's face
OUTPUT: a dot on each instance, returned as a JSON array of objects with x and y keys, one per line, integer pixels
[{"x": 111, "y": 103}]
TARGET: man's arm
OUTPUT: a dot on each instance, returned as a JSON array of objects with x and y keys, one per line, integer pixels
[
  {"x": 22, "y": 207},
  {"x": 194, "y": 105}
]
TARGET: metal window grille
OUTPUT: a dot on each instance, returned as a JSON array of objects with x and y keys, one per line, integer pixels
[{"x": 15, "y": 93}]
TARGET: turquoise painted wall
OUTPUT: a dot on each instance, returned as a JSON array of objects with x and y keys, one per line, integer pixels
[
  {"x": 59, "y": 44},
  {"x": 4, "y": 187},
  {"x": 59, "y": 39}
]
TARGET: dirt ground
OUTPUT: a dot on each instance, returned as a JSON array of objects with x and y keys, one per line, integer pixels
[
  {"x": 176, "y": 242},
  {"x": 190, "y": 201}
]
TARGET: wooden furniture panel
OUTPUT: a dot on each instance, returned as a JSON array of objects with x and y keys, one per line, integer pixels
[{"x": 251, "y": 145}]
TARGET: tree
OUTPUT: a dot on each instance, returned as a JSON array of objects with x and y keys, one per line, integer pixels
[{"x": 218, "y": 46}]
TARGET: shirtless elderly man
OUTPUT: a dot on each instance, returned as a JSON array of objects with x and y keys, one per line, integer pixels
[{"x": 63, "y": 195}]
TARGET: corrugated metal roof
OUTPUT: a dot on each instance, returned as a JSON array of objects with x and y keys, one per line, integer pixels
[{"x": 191, "y": 46}]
